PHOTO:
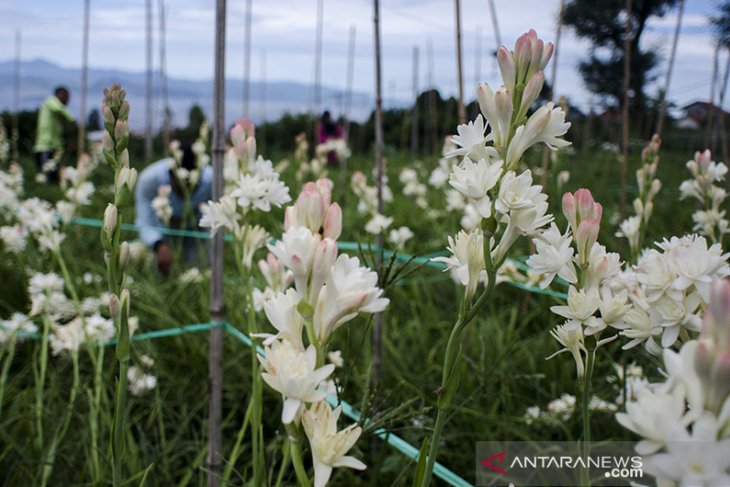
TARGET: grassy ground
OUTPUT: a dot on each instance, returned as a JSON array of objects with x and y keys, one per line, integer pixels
[{"x": 504, "y": 353}]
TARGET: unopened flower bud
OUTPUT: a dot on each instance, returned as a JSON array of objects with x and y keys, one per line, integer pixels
[
  {"x": 107, "y": 114},
  {"x": 656, "y": 185},
  {"x": 121, "y": 129},
  {"x": 124, "y": 255},
  {"x": 110, "y": 219},
  {"x": 569, "y": 210},
  {"x": 107, "y": 142},
  {"x": 333, "y": 222},
  {"x": 115, "y": 308},
  {"x": 125, "y": 299},
  {"x": 123, "y": 158},
  {"x": 324, "y": 258},
  {"x": 123, "y": 110}
]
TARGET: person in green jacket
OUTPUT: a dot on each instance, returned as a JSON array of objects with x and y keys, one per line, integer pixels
[{"x": 49, "y": 130}]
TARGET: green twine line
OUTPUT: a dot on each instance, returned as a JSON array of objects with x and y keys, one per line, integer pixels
[{"x": 424, "y": 260}]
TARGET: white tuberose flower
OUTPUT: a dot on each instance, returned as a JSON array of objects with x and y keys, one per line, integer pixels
[
  {"x": 292, "y": 373},
  {"x": 349, "y": 290},
  {"x": 329, "y": 445},
  {"x": 474, "y": 180},
  {"x": 467, "y": 258},
  {"x": 554, "y": 256}
]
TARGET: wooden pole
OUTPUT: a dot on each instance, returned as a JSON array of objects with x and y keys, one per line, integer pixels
[
  {"x": 670, "y": 67},
  {"x": 247, "y": 60},
  {"x": 414, "y": 111},
  {"x": 80, "y": 142},
  {"x": 14, "y": 136},
  {"x": 432, "y": 108},
  {"x": 148, "y": 89},
  {"x": 262, "y": 99},
  {"x": 553, "y": 93},
  {"x": 217, "y": 307},
  {"x": 163, "y": 79},
  {"x": 625, "y": 112},
  {"x": 378, "y": 328},
  {"x": 720, "y": 126},
  {"x": 713, "y": 91},
  {"x": 495, "y": 25},
  {"x": 350, "y": 78},
  {"x": 459, "y": 70},
  {"x": 347, "y": 108},
  {"x": 318, "y": 59},
  {"x": 478, "y": 58}
]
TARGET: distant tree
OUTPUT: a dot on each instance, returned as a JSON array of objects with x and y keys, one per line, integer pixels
[
  {"x": 94, "y": 121},
  {"x": 603, "y": 23},
  {"x": 721, "y": 24}
]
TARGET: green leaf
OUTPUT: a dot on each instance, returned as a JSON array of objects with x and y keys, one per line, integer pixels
[{"x": 421, "y": 465}]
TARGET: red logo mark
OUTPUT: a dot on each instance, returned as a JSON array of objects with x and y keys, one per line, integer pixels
[{"x": 488, "y": 462}]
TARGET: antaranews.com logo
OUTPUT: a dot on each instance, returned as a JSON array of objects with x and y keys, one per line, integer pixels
[{"x": 557, "y": 464}]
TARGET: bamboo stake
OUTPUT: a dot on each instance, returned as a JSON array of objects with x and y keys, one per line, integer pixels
[
  {"x": 432, "y": 108},
  {"x": 217, "y": 307},
  {"x": 713, "y": 91},
  {"x": 495, "y": 25},
  {"x": 625, "y": 112},
  {"x": 163, "y": 79},
  {"x": 670, "y": 67},
  {"x": 148, "y": 89},
  {"x": 318, "y": 59},
  {"x": 80, "y": 145},
  {"x": 414, "y": 111},
  {"x": 378, "y": 329},
  {"x": 262, "y": 99},
  {"x": 16, "y": 98},
  {"x": 247, "y": 60},
  {"x": 350, "y": 77},
  {"x": 553, "y": 79},
  {"x": 478, "y": 58},
  {"x": 348, "y": 105},
  {"x": 459, "y": 70},
  {"x": 721, "y": 113}
]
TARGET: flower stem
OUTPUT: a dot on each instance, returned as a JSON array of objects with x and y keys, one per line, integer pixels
[
  {"x": 61, "y": 432},
  {"x": 41, "y": 383},
  {"x": 296, "y": 457},
  {"x": 259, "y": 464},
  {"x": 449, "y": 381},
  {"x": 6, "y": 368},
  {"x": 120, "y": 406},
  {"x": 585, "y": 402}
]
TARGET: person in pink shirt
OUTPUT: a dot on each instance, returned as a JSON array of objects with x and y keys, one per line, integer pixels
[{"x": 328, "y": 130}]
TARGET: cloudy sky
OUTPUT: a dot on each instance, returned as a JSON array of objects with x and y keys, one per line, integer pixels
[{"x": 284, "y": 35}]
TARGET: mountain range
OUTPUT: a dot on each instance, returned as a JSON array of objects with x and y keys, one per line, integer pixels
[{"x": 268, "y": 101}]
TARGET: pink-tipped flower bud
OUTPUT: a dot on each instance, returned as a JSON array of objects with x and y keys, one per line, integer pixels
[
  {"x": 531, "y": 93},
  {"x": 570, "y": 210},
  {"x": 324, "y": 258},
  {"x": 332, "y": 227},
  {"x": 290, "y": 217},
  {"x": 324, "y": 186},
  {"x": 703, "y": 159},
  {"x": 585, "y": 203},
  {"x": 507, "y": 68},
  {"x": 311, "y": 207},
  {"x": 586, "y": 236}
]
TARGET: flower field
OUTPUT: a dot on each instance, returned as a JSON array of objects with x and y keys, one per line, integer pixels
[{"x": 515, "y": 304}]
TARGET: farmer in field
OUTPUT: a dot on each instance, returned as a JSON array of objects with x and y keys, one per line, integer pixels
[
  {"x": 49, "y": 129},
  {"x": 168, "y": 194},
  {"x": 329, "y": 131}
]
